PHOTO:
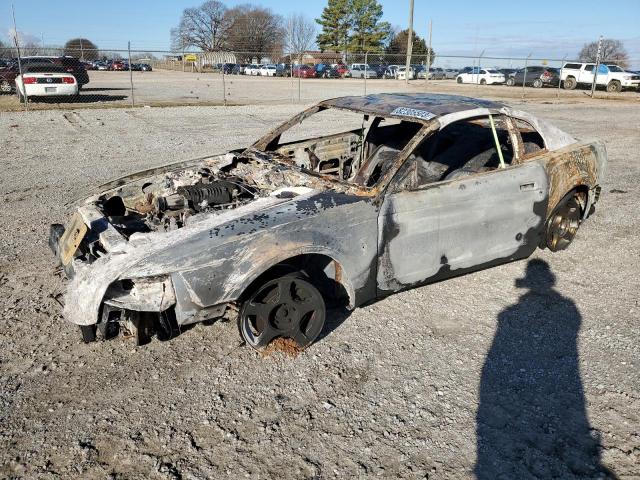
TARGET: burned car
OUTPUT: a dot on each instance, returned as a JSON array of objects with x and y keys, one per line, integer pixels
[{"x": 351, "y": 200}]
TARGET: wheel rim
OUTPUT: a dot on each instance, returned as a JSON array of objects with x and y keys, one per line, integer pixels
[
  {"x": 286, "y": 307},
  {"x": 563, "y": 226},
  {"x": 5, "y": 87}
]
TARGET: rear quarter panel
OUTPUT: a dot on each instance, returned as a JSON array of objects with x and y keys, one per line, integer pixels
[{"x": 579, "y": 164}]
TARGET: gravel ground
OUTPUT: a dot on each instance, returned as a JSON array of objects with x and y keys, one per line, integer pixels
[
  {"x": 170, "y": 88},
  {"x": 481, "y": 375}
]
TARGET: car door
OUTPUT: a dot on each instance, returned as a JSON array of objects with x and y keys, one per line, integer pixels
[
  {"x": 449, "y": 227},
  {"x": 587, "y": 73}
]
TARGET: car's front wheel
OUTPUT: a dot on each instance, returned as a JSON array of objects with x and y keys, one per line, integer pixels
[
  {"x": 459, "y": 80},
  {"x": 511, "y": 82},
  {"x": 289, "y": 306},
  {"x": 614, "y": 86}
]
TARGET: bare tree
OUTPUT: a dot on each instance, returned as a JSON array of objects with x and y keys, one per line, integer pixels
[
  {"x": 613, "y": 51},
  {"x": 299, "y": 33},
  {"x": 204, "y": 27},
  {"x": 30, "y": 48},
  {"x": 255, "y": 30}
]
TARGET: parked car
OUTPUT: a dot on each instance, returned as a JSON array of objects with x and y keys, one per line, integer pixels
[
  {"x": 117, "y": 65},
  {"x": 266, "y": 234},
  {"x": 145, "y": 67},
  {"x": 283, "y": 70},
  {"x": 434, "y": 73},
  {"x": 304, "y": 71},
  {"x": 341, "y": 68},
  {"x": 437, "y": 73},
  {"x": 361, "y": 70},
  {"x": 508, "y": 72},
  {"x": 535, "y": 76},
  {"x": 239, "y": 69},
  {"x": 401, "y": 73},
  {"x": 612, "y": 77},
  {"x": 483, "y": 76},
  {"x": 391, "y": 72},
  {"x": 450, "y": 73},
  {"x": 68, "y": 64},
  {"x": 379, "y": 68},
  {"x": 268, "y": 70},
  {"x": 101, "y": 66},
  {"x": 253, "y": 69},
  {"x": 8, "y": 74},
  {"x": 324, "y": 70},
  {"x": 44, "y": 80}
]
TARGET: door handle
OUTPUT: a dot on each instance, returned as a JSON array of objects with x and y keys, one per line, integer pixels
[{"x": 525, "y": 187}]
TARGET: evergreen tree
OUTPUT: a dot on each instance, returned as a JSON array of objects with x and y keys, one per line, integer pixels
[
  {"x": 336, "y": 23},
  {"x": 398, "y": 45},
  {"x": 368, "y": 32}
]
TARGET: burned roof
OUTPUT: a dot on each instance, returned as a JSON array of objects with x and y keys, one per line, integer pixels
[{"x": 419, "y": 106}]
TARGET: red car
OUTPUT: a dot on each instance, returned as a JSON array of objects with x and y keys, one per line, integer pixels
[
  {"x": 117, "y": 66},
  {"x": 304, "y": 71},
  {"x": 342, "y": 69},
  {"x": 8, "y": 79}
]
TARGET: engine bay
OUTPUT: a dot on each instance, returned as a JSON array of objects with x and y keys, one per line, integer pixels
[{"x": 167, "y": 201}]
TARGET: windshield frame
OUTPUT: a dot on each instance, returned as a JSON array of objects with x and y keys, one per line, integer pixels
[{"x": 265, "y": 146}]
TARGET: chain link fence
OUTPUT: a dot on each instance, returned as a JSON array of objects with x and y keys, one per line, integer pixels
[{"x": 127, "y": 77}]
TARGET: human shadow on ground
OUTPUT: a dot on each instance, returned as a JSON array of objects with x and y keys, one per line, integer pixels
[{"x": 532, "y": 420}]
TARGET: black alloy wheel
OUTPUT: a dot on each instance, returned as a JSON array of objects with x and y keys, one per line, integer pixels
[{"x": 288, "y": 307}]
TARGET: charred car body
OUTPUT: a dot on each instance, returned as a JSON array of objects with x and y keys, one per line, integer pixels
[{"x": 421, "y": 188}]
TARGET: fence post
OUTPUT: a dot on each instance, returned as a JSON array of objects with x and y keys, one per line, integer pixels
[
  {"x": 133, "y": 103},
  {"x": 564, "y": 59},
  {"x": 426, "y": 74},
  {"x": 479, "y": 68},
  {"x": 595, "y": 71},
  {"x": 299, "y": 78},
  {"x": 15, "y": 40},
  {"x": 366, "y": 73},
  {"x": 224, "y": 86},
  {"x": 524, "y": 80},
  {"x": 293, "y": 95}
]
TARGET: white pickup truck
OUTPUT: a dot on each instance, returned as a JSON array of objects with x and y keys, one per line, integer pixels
[{"x": 613, "y": 77}]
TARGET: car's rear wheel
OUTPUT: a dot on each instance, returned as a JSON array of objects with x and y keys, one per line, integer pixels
[
  {"x": 563, "y": 223},
  {"x": 511, "y": 82},
  {"x": 537, "y": 83},
  {"x": 570, "y": 83},
  {"x": 5, "y": 86},
  {"x": 483, "y": 82},
  {"x": 285, "y": 307},
  {"x": 459, "y": 80}
]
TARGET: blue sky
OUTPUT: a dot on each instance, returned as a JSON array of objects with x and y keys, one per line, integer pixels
[{"x": 514, "y": 28}]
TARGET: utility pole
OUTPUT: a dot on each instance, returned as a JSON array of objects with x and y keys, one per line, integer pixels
[
  {"x": 81, "y": 51},
  {"x": 409, "y": 43}
]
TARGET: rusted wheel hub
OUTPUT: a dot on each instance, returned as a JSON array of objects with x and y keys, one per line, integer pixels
[{"x": 563, "y": 224}]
